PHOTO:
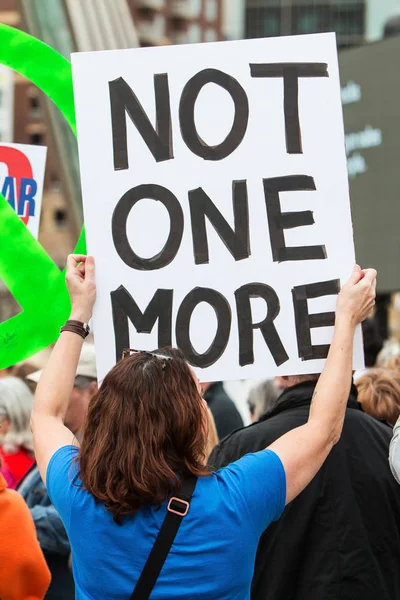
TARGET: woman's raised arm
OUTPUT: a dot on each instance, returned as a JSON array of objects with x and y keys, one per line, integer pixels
[
  {"x": 54, "y": 389},
  {"x": 304, "y": 449}
]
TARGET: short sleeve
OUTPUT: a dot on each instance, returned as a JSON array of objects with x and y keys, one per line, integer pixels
[
  {"x": 60, "y": 477},
  {"x": 261, "y": 481}
]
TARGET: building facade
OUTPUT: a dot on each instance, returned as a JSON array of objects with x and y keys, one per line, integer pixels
[
  {"x": 233, "y": 20},
  {"x": 269, "y": 18},
  {"x": 161, "y": 22},
  {"x": 354, "y": 21},
  {"x": 378, "y": 13},
  {"x": 30, "y": 126}
]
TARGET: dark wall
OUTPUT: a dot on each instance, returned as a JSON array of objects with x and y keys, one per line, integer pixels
[{"x": 374, "y": 171}]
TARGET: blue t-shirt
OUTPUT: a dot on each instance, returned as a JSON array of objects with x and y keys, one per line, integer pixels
[{"x": 213, "y": 554}]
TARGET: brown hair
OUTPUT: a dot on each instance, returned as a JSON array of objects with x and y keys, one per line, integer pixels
[
  {"x": 146, "y": 428},
  {"x": 379, "y": 394}
]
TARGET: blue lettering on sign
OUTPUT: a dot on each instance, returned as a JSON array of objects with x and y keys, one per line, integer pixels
[
  {"x": 8, "y": 190},
  {"x": 27, "y": 193}
]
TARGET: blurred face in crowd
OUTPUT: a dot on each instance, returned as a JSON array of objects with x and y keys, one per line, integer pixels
[
  {"x": 5, "y": 423},
  {"x": 283, "y": 382},
  {"x": 6, "y": 372},
  {"x": 262, "y": 399},
  {"x": 204, "y": 386},
  {"x": 83, "y": 391},
  {"x": 16, "y": 402}
]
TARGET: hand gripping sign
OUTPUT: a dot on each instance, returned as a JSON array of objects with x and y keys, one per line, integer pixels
[
  {"x": 216, "y": 201},
  {"x": 26, "y": 269},
  {"x": 279, "y": 163}
]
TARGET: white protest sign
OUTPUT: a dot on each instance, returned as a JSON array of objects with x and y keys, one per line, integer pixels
[
  {"x": 22, "y": 169},
  {"x": 216, "y": 201}
]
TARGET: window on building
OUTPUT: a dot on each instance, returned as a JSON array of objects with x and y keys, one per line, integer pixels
[
  {"x": 34, "y": 106},
  {"x": 210, "y": 35},
  {"x": 211, "y": 10},
  {"x": 55, "y": 182},
  {"x": 263, "y": 22},
  {"x": 159, "y": 25},
  {"x": 34, "y": 102},
  {"x": 36, "y": 139},
  {"x": 307, "y": 23},
  {"x": 194, "y": 7},
  {"x": 60, "y": 218},
  {"x": 311, "y": 19},
  {"x": 145, "y": 12},
  {"x": 194, "y": 34},
  {"x": 348, "y": 20}
]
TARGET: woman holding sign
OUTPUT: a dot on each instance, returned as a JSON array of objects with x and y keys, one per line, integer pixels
[{"x": 143, "y": 513}]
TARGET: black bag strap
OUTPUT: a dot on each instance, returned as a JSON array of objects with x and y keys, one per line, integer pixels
[{"x": 177, "y": 509}]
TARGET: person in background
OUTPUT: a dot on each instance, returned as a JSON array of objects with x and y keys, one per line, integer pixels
[
  {"x": 394, "y": 452},
  {"x": 373, "y": 344},
  {"x": 392, "y": 363},
  {"x": 340, "y": 538},
  {"x": 7, "y": 372},
  {"x": 50, "y": 530},
  {"x": 23, "y": 370},
  {"x": 226, "y": 416},
  {"x": 144, "y": 444},
  {"x": 212, "y": 438},
  {"x": 379, "y": 394},
  {"x": 262, "y": 399},
  {"x": 16, "y": 443},
  {"x": 24, "y": 574},
  {"x": 238, "y": 391}
]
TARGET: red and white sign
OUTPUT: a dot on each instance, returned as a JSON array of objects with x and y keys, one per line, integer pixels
[{"x": 22, "y": 169}]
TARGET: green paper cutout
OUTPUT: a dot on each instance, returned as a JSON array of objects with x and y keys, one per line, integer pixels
[{"x": 27, "y": 270}]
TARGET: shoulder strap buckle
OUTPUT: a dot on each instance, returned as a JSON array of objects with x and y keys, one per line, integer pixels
[
  {"x": 177, "y": 508},
  {"x": 180, "y": 507}
]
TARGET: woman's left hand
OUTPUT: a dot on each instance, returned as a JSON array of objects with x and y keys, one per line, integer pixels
[{"x": 81, "y": 285}]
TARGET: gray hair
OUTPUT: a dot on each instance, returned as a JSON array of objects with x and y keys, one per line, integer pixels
[
  {"x": 262, "y": 398},
  {"x": 82, "y": 382},
  {"x": 16, "y": 402}
]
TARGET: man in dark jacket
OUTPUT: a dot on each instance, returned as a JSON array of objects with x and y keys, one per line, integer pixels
[
  {"x": 340, "y": 538},
  {"x": 226, "y": 416}
]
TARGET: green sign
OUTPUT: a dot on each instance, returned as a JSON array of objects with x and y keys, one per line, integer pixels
[{"x": 26, "y": 269}]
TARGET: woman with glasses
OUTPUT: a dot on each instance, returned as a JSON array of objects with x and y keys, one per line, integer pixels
[{"x": 143, "y": 513}]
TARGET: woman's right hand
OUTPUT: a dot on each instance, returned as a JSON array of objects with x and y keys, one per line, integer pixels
[
  {"x": 81, "y": 285},
  {"x": 357, "y": 297}
]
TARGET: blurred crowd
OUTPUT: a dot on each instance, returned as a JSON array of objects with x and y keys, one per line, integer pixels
[{"x": 376, "y": 392}]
